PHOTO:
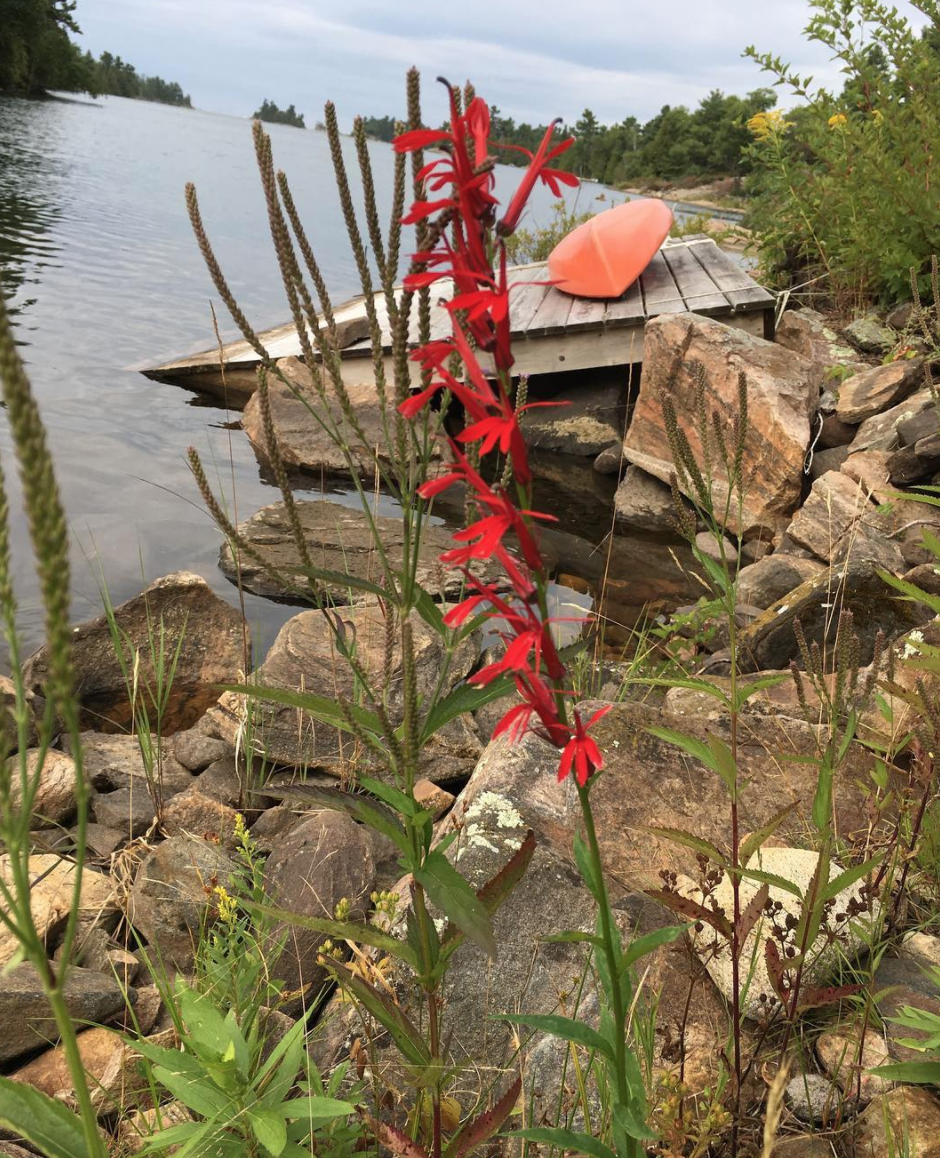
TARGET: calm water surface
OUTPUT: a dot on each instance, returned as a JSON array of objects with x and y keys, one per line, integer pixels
[{"x": 99, "y": 267}]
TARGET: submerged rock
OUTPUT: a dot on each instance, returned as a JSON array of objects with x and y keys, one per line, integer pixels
[
  {"x": 782, "y": 398},
  {"x": 211, "y": 639},
  {"x": 338, "y": 539}
]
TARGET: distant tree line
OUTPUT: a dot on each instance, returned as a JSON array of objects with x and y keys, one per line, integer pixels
[
  {"x": 677, "y": 145},
  {"x": 37, "y": 54},
  {"x": 273, "y": 115}
]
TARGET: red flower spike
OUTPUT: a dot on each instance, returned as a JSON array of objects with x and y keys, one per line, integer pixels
[
  {"x": 581, "y": 752},
  {"x": 536, "y": 170}
]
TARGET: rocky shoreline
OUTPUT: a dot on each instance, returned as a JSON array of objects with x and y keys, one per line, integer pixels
[{"x": 834, "y": 435}]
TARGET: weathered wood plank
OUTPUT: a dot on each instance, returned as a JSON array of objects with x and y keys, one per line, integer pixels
[
  {"x": 699, "y": 292},
  {"x": 523, "y": 305},
  {"x": 552, "y": 315},
  {"x": 734, "y": 282},
  {"x": 587, "y": 313},
  {"x": 627, "y": 310},
  {"x": 660, "y": 293}
]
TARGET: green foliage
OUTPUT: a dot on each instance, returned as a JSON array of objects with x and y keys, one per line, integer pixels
[
  {"x": 675, "y": 145},
  {"x": 37, "y": 54},
  {"x": 927, "y": 1025},
  {"x": 270, "y": 112},
  {"x": 243, "y": 1103},
  {"x": 846, "y": 186},
  {"x": 527, "y": 245}
]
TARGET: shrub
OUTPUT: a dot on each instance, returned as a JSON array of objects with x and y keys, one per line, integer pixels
[{"x": 847, "y": 186}]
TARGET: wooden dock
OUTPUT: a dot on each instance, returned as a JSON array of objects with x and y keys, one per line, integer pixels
[{"x": 551, "y": 330}]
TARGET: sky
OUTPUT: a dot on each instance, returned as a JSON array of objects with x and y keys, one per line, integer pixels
[{"x": 534, "y": 59}]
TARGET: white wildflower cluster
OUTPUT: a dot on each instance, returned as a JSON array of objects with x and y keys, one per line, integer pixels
[{"x": 910, "y": 647}]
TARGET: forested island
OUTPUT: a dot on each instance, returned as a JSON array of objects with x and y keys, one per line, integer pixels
[
  {"x": 678, "y": 144},
  {"x": 270, "y": 112},
  {"x": 38, "y": 54}
]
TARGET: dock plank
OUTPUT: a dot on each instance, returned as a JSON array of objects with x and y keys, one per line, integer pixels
[
  {"x": 734, "y": 282},
  {"x": 552, "y": 315},
  {"x": 587, "y": 313},
  {"x": 660, "y": 293},
  {"x": 698, "y": 290},
  {"x": 523, "y": 306},
  {"x": 627, "y": 310}
]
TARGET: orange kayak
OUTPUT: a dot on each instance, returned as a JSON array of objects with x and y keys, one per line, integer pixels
[{"x": 603, "y": 256}]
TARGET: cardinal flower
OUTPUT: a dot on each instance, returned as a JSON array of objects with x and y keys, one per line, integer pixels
[{"x": 581, "y": 752}]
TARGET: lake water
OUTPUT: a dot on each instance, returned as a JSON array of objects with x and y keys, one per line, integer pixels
[{"x": 98, "y": 265}]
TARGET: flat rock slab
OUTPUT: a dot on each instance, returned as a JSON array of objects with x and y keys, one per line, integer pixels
[
  {"x": 304, "y": 657},
  {"x": 589, "y": 422},
  {"x": 209, "y": 633},
  {"x": 338, "y": 539},
  {"x": 25, "y": 1015},
  {"x": 301, "y": 441},
  {"x": 877, "y": 389},
  {"x": 883, "y": 431},
  {"x": 782, "y": 398}
]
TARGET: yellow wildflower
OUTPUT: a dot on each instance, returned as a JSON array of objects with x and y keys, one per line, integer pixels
[
  {"x": 769, "y": 124},
  {"x": 878, "y": 116},
  {"x": 838, "y": 120},
  {"x": 227, "y": 905}
]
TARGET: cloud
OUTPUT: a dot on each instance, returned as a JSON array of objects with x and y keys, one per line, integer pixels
[{"x": 533, "y": 58}]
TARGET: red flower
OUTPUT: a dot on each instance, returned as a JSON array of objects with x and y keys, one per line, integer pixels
[
  {"x": 537, "y": 171},
  {"x": 581, "y": 751}
]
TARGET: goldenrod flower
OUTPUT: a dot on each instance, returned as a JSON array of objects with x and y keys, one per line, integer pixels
[
  {"x": 227, "y": 905},
  {"x": 838, "y": 120},
  {"x": 878, "y": 116},
  {"x": 769, "y": 124}
]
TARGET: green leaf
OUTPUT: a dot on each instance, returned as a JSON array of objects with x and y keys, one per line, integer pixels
[
  {"x": 757, "y": 839},
  {"x": 725, "y": 764},
  {"x": 689, "y": 840},
  {"x": 582, "y": 858},
  {"x": 343, "y": 579},
  {"x": 37, "y": 1118},
  {"x": 463, "y": 698},
  {"x": 695, "y": 685},
  {"x": 632, "y": 1126},
  {"x": 194, "y": 1089},
  {"x": 925, "y": 1072},
  {"x": 848, "y": 877},
  {"x": 316, "y": 1107},
  {"x": 691, "y": 745},
  {"x": 750, "y": 874},
  {"x": 457, "y": 900},
  {"x": 344, "y": 930},
  {"x": 911, "y": 591},
  {"x": 410, "y": 1042},
  {"x": 269, "y": 1128},
  {"x": 321, "y": 708},
  {"x": 752, "y": 687},
  {"x": 369, "y": 812},
  {"x": 640, "y": 946},
  {"x": 564, "y": 1027},
  {"x": 565, "y": 1140},
  {"x": 430, "y": 611}
]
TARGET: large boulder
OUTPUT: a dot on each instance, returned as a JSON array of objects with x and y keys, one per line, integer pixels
[
  {"x": 839, "y": 938},
  {"x": 113, "y": 762},
  {"x": 806, "y": 333},
  {"x": 339, "y": 539},
  {"x": 304, "y": 658},
  {"x": 650, "y": 782},
  {"x": 882, "y": 431},
  {"x": 782, "y": 398},
  {"x": 877, "y": 389},
  {"x": 769, "y": 642},
  {"x": 643, "y": 503},
  {"x": 172, "y": 894},
  {"x": 210, "y": 635},
  {"x": 27, "y": 1020},
  {"x": 301, "y": 441},
  {"x": 52, "y": 889},
  {"x": 870, "y": 335},
  {"x": 54, "y": 801},
  {"x": 324, "y": 859},
  {"x": 773, "y": 577},
  {"x": 905, "y": 1121}
]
